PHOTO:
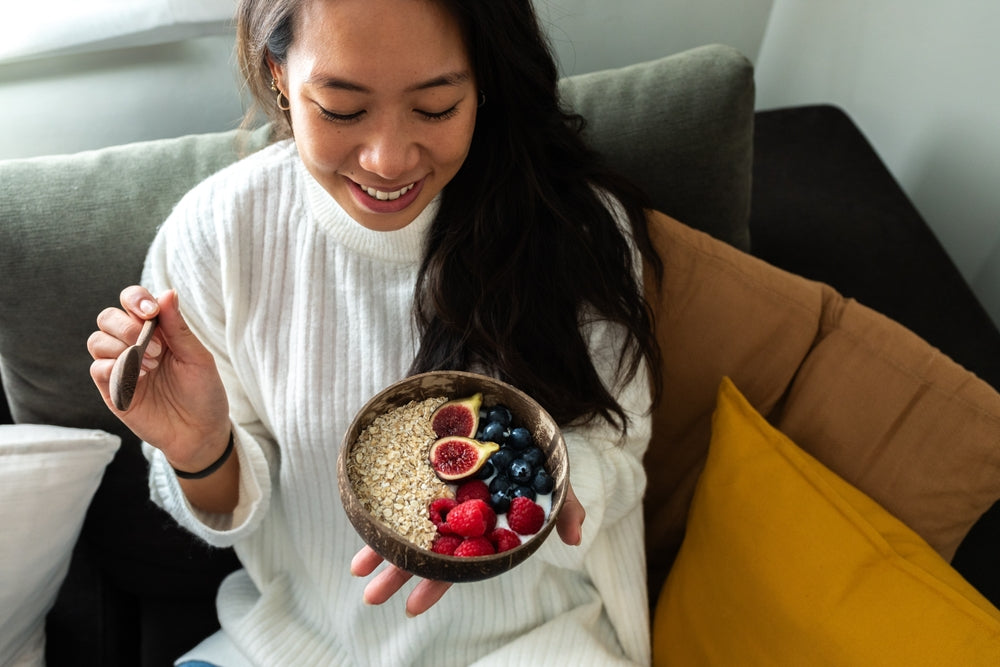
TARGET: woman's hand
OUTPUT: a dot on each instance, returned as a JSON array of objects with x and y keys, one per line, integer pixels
[
  {"x": 179, "y": 405},
  {"x": 386, "y": 583}
]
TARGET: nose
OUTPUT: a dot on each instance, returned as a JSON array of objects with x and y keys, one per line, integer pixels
[{"x": 390, "y": 150}]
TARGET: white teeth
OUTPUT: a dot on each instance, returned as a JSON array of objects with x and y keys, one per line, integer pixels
[{"x": 388, "y": 196}]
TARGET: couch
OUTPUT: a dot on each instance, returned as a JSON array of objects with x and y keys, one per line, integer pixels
[{"x": 796, "y": 190}]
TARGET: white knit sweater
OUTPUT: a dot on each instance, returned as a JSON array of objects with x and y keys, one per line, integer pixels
[{"x": 308, "y": 315}]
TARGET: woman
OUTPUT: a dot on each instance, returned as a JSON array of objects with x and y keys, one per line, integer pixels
[{"x": 434, "y": 209}]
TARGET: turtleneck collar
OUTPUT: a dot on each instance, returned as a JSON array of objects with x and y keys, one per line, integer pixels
[{"x": 404, "y": 245}]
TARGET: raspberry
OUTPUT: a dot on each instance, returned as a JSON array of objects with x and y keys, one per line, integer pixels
[
  {"x": 504, "y": 539},
  {"x": 439, "y": 508},
  {"x": 474, "y": 546},
  {"x": 473, "y": 490},
  {"x": 525, "y": 516},
  {"x": 446, "y": 544},
  {"x": 473, "y": 518}
]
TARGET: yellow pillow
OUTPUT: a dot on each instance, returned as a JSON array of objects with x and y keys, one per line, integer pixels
[{"x": 784, "y": 563}]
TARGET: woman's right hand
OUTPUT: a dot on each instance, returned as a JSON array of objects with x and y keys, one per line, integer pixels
[{"x": 180, "y": 404}]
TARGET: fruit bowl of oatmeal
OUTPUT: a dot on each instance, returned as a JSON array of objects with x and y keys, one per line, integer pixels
[{"x": 453, "y": 476}]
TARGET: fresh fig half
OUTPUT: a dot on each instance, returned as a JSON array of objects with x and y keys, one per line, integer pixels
[
  {"x": 458, "y": 417},
  {"x": 455, "y": 457}
]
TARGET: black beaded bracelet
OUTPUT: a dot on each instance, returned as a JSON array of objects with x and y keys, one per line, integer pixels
[{"x": 201, "y": 474}]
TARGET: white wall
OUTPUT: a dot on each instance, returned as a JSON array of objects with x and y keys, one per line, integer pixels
[
  {"x": 920, "y": 78},
  {"x": 590, "y": 35},
  {"x": 69, "y": 103}
]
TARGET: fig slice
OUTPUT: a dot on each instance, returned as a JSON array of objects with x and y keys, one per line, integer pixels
[
  {"x": 457, "y": 417},
  {"x": 455, "y": 457}
]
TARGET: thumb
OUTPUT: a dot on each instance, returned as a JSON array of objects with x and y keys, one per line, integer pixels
[
  {"x": 174, "y": 331},
  {"x": 569, "y": 523}
]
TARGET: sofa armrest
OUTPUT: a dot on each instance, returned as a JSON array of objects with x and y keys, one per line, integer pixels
[{"x": 826, "y": 207}]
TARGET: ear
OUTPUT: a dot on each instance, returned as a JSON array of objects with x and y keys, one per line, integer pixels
[{"x": 277, "y": 71}]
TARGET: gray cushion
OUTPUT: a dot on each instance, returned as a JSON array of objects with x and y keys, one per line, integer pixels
[
  {"x": 74, "y": 231},
  {"x": 681, "y": 128}
]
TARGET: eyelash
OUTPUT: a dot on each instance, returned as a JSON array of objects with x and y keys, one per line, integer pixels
[
  {"x": 440, "y": 115},
  {"x": 338, "y": 117},
  {"x": 356, "y": 116}
]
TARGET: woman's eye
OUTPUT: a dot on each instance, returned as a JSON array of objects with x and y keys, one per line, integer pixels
[
  {"x": 355, "y": 116},
  {"x": 438, "y": 115},
  {"x": 340, "y": 117}
]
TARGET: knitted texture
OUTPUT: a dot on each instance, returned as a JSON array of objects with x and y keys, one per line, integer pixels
[{"x": 308, "y": 315}]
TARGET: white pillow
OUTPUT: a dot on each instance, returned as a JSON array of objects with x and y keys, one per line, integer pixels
[{"x": 48, "y": 475}]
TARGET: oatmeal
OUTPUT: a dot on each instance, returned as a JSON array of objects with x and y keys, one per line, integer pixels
[{"x": 389, "y": 470}]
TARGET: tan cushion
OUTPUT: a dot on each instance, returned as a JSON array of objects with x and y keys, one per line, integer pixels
[
  {"x": 861, "y": 393},
  {"x": 899, "y": 420}
]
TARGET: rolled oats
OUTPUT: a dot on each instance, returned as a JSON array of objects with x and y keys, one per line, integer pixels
[{"x": 389, "y": 470}]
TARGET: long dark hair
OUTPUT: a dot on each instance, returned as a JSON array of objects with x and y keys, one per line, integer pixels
[{"x": 524, "y": 247}]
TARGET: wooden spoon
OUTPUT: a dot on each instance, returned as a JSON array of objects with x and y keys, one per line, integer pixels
[{"x": 125, "y": 372}]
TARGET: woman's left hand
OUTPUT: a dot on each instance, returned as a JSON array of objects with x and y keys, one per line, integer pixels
[{"x": 387, "y": 582}]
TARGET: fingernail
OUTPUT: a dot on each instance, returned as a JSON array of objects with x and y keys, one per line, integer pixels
[
  {"x": 147, "y": 306},
  {"x": 410, "y": 614},
  {"x": 154, "y": 348},
  {"x": 149, "y": 364}
]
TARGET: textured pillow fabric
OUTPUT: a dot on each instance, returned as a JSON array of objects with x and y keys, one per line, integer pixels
[
  {"x": 912, "y": 428},
  {"x": 74, "y": 230},
  {"x": 48, "y": 475},
  {"x": 681, "y": 128},
  {"x": 874, "y": 402},
  {"x": 786, "y": 563}
]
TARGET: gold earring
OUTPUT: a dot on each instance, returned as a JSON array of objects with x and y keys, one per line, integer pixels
[{"x": 274, "y": 89}]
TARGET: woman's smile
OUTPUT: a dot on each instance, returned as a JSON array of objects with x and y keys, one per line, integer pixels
[{"x": 383, "y": 199}]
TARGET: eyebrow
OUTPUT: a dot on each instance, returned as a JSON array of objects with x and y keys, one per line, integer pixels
[{"x": 449, "y": 79}]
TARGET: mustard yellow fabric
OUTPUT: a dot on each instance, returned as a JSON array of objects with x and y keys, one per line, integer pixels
[{"x": 785, "y": 563}]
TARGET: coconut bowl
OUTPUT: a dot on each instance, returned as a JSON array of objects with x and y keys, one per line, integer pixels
[{"x": 453, "y": 384}]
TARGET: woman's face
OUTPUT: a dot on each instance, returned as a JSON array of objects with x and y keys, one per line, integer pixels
[{"x": 383, "y": 103}]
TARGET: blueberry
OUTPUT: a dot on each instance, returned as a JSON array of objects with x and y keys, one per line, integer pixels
[
  {"x": 543, "y": 482},
  {"x": 500, "y": 484},
  {"x": 499, "y": 414},
  {"x": 534, "y": 456},
  {"x": 521, "y": 491},
  {"x": 501, "y": 458},
  {"x": 519, "y": 438},
  {"x": 520, "y": 471},
  {"x": 500, "y": 502},
  {"x": 485, "y": 471},
  {"x": 493, "y": 432}
]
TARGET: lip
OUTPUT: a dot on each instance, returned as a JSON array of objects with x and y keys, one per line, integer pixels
[{"x": 369, "y": 203}]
